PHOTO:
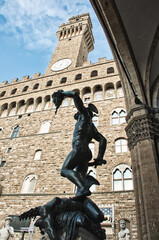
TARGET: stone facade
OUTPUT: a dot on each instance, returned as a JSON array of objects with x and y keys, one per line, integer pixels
[{"x": 26, "y": 105}]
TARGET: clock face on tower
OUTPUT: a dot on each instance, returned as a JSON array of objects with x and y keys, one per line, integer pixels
[{"x": 61, "y": 64}]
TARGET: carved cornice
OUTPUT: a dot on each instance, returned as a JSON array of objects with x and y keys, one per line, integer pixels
[{"x": 141, "y": 128}]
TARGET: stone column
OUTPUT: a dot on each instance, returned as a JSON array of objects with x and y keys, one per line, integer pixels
[{"x": 143, "y": 133}]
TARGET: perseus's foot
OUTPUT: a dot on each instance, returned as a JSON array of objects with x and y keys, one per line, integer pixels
[{"x": 82, "y": 193}]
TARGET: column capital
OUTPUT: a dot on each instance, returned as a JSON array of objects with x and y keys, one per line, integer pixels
[{"x": 142, "y": 127}]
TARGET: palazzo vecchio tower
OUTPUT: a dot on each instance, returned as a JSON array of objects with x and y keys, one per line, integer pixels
[{"x": 34, "y": 142}]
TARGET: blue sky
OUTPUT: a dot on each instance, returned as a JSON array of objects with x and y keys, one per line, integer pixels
[{"x": 28, "y": 34}]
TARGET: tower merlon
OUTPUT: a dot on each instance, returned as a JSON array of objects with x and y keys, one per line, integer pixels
[
  {"x": 4, "y": 83},
  {"x": 25, "y": 77},
  {"x": 14, "y": 80},
  {"x": 35, "y": 75}
]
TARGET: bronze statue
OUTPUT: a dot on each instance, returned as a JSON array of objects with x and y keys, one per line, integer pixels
[
  {"x": 76, "y": 163},
  {"x": 67, "y": 214}
]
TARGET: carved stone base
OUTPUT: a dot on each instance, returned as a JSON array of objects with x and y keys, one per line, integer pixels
[{"x": 81, "y": 234}]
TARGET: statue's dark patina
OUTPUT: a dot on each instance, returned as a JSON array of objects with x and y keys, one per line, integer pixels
[
  {"x": 69, "y": 214},
  {"x": 76, "y": 164}
]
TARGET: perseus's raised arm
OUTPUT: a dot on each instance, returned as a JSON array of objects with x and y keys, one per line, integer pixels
[{"x": 60, "y": 95}]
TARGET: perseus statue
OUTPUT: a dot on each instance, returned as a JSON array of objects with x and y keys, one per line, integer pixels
[{"x": 76, "y": 164}]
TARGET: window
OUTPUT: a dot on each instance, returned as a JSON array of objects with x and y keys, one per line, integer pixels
[
  {"x": 25, "y": 88},
  {"x": 36, "y": 86},
  {"x": 37, "y": 155},
  {"x": 78, "y": 76},
  {"x": 120, "y": 92},
  {"x": 86, "y": 95},
  {"x": 118, "y": 116},
  {"x": 122, "y": 178},
  {"x": 49, "y": 83},
  {"x": 122, "y": 115},
  {"x": 2, "y": 163},
  {"x": 98, "y": 92},
  {"x": 121, "y": 145},
  {"x": 29, "y": 184},
  {"x": 21, "y": 107},
  {"x": 30, "y": 106},
  {"x": 1, "y": 129},
  {"x": 38, "y": 104},
  {"x": 95, "y": 120},
  {"x": 110, "y": 92},
  {"x": 110, "y": 70},
  {"x": 2, "y": 93},
  {"x": 15, "y": 132},
  {"x": 12, "y": 109},
  {"x": 9, "y": 150},
  {"x": 45, "y": 127},
  {"x": 63, "y": 80},
  {"x": 4, "y": 112},
  {"x": 14, "y": 91},
  {"x": 47, "y": 103},
  {"x": 94, "y": 73}
]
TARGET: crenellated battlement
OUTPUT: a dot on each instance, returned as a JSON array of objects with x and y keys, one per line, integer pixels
[{"x": 37, "y": 75}]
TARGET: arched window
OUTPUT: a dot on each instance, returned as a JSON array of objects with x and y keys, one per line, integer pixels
[
  {"x": 121, "y": 145},
  {"x": 94, "y": 73},
  {"x": 98, "y": 92},
  {"x": 63, "y": 80},
  {"x": 120, "y": 92},
  {"x": 122, "y": 178},
  {"x": 30, "y": 106},
  {"x": 36, "y": 86},
  {"x": 45, "y": 127},
  {"x": 2, "y": 93},
  {"x": 21, "y": 107},
  {"x": 110, "y": 70},
  {"x": 25, "y": 88},
  {"x": 86, "y": 95},
  {"x": 13, "y": 91},
  {"x": 109, "y": 92},
  {"x": 29, "y": 184},
  {"x": 37, "y": 155},
  {"x": 4, "y": 110},
  {"x": 12, "y": 109},
  {"x": 47, "y": 102},
  {"x": 78, "y": 76},
  {"x": 118, "y": 116},
  {"x": 122, "y": 115},
  {"x": 15, "y": 132},
  {"x": 49, "y": 83},
  {"x": 95, "y": 120},
  {"x": 38, "y": 104}
]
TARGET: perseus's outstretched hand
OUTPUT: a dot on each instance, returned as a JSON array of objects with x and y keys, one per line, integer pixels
[{"x": 57, "y": 98}]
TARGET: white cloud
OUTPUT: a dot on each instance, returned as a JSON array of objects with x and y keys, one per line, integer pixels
[{"x": 35, "y": 21}]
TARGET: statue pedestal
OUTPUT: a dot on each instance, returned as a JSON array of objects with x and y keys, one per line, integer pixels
[{"x": 81, "y": 234}]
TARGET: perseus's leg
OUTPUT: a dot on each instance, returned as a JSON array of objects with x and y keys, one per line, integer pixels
[{"x": 71, "y": 162}]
